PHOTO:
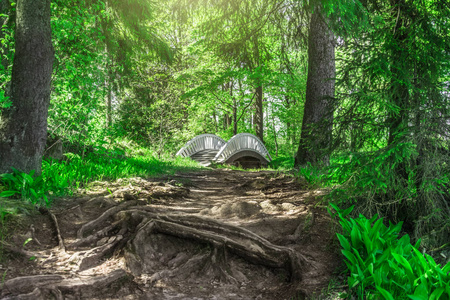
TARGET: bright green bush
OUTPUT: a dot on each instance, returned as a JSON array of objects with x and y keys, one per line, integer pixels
[{"x": 384, "y": 266}]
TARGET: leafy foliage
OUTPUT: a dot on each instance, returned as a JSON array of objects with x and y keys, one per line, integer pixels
[{"x": 384, "y": 265}]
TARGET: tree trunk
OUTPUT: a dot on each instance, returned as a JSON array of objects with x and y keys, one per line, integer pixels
[
  {"x": 234, "y": 118},
  {"x": 226, "y": 121},
  {"x": 274, "y": 133},
  {"x": 316, "y": 127},
  {"x": 109, "y": 92},
  {"x": 234, "y": 109},
  {"x": 399, "y": 88},
  {"x": 258, "y": 116},
  {"x": 23, "y": 127}
]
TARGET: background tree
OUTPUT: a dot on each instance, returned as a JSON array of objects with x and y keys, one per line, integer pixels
[
  {"x": 23, "y": 126},
  {"x": 315, "y": 140},
  {"x": 392, "y": 125}
]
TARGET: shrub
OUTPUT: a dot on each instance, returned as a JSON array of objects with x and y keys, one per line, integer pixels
[{"x": 384, "y": 266}]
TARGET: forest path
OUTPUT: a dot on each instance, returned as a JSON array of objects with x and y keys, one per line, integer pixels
[{"x": 213, "y": 234}]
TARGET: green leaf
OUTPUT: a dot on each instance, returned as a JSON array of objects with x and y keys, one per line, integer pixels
[
  {"x": 7, "y": 194},
  {"x": 422, "y": 260},
  {"x": 421, "y": 293},
  {"x": 33, "y": 192},
  {"x": 344, "y": 242},
  {"x": 27, "y": 241},
  {"x": 350, "y": 257},
  {"x": 385, "y": 293},
  {"x": 347, "y": 211},
  {"x": 27, "y": 178},
  {"x": 376, "y": 227},
  {"x": 401, "y": 260},
  {"x": 377, "y": 277},
  {"x": 355, "y": 237},
  {"x": 437, "y": 293}
]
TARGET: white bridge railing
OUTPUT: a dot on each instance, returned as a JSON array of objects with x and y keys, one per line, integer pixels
[
  {"x": 201, "y": 142},
  {"x": 242, "y": 142}
]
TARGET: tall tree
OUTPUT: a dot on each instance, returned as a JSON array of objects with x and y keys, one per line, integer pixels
[
  {"x": 23, "y": 126},
  {"x": 316, "y": 127},
  {"x": 394, "y": 94}
]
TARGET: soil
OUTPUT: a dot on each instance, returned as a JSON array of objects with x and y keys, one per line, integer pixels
[{"x": 214, "y": 234}]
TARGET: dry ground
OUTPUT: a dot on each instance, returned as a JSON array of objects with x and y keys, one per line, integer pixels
[{"x": 215, "y": 234}]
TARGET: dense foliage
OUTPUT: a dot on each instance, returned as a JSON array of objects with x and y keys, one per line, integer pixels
[
  {"x": 384, "y": 265},
  {"x": 391, "y": 117}
]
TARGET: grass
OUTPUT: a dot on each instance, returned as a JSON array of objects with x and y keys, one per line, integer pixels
[
  {"x": 20, "y": 193},
  {"x": 75, "y": 172}
]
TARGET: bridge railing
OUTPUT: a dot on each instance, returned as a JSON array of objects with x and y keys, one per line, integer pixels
[
  {"x": 242, "y": 142},
  {"x": 201, "y": 142}
]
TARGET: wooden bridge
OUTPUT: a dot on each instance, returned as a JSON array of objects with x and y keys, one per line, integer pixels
[{"x": 243, "y": 149}]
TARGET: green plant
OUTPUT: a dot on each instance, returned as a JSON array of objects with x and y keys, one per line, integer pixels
[
  {"x": 313, "y": 174},
  {"x": 65, "y": 177},
  {"x": 382, "y": 265},
  {"x": 25, "y": 185},
  {"x": 4, "y": 100}
]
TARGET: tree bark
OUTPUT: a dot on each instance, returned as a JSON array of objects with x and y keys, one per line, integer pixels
[
  {"x": 234, "y": 108},
  {"x": 316, "y": 127},
  {"x": 258, "y": 116},
  {"x": 23, "y": 127}
]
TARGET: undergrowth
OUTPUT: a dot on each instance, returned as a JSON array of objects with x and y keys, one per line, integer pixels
[
  {"x": 420, "y": 198},
  {"x": 64, "y": 177},
  {"x": 382, "y": 264}
]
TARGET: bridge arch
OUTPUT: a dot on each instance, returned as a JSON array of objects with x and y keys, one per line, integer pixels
[
  {"x": 200, "y": 143},
  {"x": 244, "y": 148}
]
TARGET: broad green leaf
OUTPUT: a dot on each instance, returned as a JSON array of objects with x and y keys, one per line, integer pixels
[
  {"x": 401, "y": 260},
  {"x": 421, "y": 293},
  {"x": 350, "y": 256},
  {"x": 347, "y": 211},
  {"x": 7, "y": 194},
  {"x": 422, "y": 260},
  {"x": 33, "y": 192},
  {"x": 28, "y": 179},
  {"x": 377, "y": 276},
  {"x": 355, "y": 237},
  {"x": 344, "y": 242},
  {"x": 376, "y": 227},
  {"x": 384, "y": 293},
  {"x": 437, "y": 293}
]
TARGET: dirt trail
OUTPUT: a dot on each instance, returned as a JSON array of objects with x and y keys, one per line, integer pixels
[{"x": 215, "y": 234}]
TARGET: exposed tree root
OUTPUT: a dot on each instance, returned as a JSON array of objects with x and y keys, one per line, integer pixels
[
  {"x": 42, "y": 286},
  {"x": 93, "y": 238},
  {"x": 106, "y": 215},
  {"x": 14, "y": 250},
  {"x": 61, "y": 245},
  {"x": 26, "y": 284},
  {"x": 33, "y": 235},
  {"x": 237, "y": 240},
  {"x": 136, "y": 229}
]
